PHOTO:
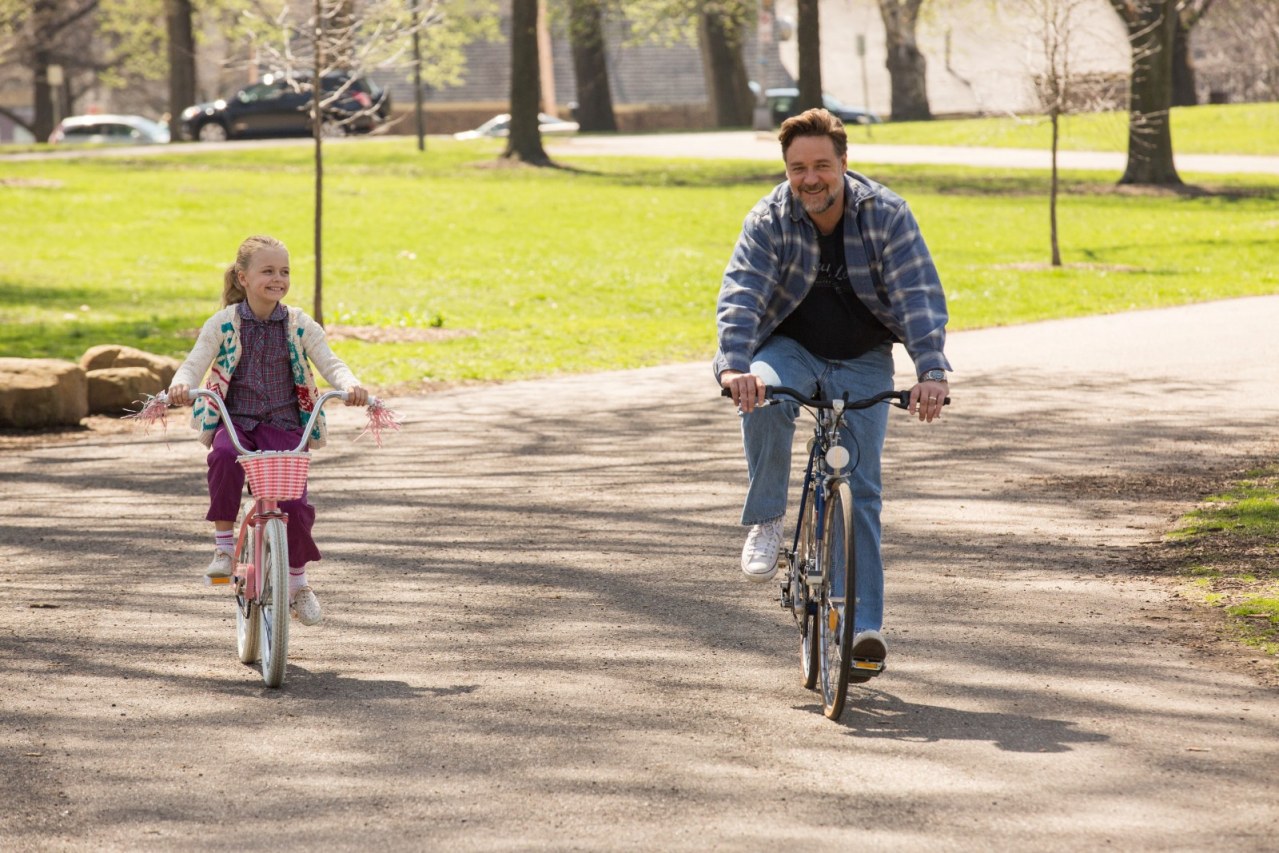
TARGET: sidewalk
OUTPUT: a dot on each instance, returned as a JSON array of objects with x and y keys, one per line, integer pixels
[{"x": 753, "y": 145}]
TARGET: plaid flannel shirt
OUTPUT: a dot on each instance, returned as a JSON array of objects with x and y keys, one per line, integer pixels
[
  {"x": 262, "y": 389},
  {"x": 775, "y": 263}
]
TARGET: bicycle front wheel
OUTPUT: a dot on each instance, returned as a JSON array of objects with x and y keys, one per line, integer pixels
[
  {"x": 836, "y": 603},
  {"x": 273, "y": 601},
  {"x": 801, "y": 595},
  {"x": 248, "y": 616}
]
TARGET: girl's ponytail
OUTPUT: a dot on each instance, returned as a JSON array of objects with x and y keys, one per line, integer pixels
[{"x": 231, "y": 290}]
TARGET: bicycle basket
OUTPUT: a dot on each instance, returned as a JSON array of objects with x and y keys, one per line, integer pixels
[{"x": 277, "y": 475}]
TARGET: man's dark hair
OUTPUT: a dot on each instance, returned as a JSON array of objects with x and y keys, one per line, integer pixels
[{"x": 814, "y": 122}]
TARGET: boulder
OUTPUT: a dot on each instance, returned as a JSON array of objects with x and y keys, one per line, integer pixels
[
  {"x": 115, "y": 355},
  {"x": 115, "y": 390},
  {"x": 42, "y": 392}
]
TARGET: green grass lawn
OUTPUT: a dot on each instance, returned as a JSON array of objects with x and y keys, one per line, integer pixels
[
  {"x": 614, "y": 263},
  {"x": 1225, "y": 129}
]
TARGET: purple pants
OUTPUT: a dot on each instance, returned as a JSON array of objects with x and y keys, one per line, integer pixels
[{"x": 226, "y": 486}]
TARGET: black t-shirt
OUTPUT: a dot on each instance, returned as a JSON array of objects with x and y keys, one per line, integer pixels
[{"x": 832, "y": 322}]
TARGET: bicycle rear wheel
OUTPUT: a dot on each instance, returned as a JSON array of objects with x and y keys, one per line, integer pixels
[
  {"x": 248, "y": 616},
  {"x": 835, "y": 610},
  {"x": 273, "y": 602},
  {"x": 801, "y": 596}
]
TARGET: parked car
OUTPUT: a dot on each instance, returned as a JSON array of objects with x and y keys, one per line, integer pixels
[
  {"x": 109, "y": 130},
  {"x": 781, "y": 104},
  {"x": 280, "y": 105},
  {"x": 500, "y": 126}
]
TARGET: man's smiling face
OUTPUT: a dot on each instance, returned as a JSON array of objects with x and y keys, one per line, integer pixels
[{"x": 816, "y": 173}]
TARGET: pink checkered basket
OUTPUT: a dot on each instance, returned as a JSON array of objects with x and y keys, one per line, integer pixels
[{"x": 276, "y": 475}]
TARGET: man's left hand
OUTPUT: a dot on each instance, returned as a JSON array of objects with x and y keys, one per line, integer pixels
[{"x": 926, "y": 400}]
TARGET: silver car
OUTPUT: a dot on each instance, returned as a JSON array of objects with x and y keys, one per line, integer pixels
[{"x": 109, "y": 130}]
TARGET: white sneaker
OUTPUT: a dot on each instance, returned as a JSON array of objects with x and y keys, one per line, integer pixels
[
  {"x": 870, "y": 645},
  {"x": 759, "y": 555},
  {"x": 305, "y": 607},
  {"x": 220, "y": 566}
]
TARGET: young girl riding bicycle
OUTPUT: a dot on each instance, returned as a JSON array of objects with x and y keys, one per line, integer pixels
[{"x": 255, "y": 351}]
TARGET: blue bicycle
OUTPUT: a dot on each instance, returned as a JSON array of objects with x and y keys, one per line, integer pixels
[{"x": 819, "y": 568}]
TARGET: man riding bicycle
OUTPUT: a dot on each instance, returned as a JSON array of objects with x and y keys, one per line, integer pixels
[{"x": 829, "y": 271}]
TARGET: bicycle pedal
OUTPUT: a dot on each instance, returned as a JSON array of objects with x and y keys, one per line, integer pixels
[
  {"x": 208, "y": 581},
  {"x": 868, "y": 667}
]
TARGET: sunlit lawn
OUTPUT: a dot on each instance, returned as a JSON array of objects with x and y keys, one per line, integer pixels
[{"x": 612, "y": 263}]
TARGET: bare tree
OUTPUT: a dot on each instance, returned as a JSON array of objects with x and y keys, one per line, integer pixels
[
  {"x": 49, "y": 37},
  {"x": 809, "y": 42},
  {"x": 327, "y": 53},
  {"x": 1239, "y": 46},
  {"x": 1152, "y": 26},
  {"x": 1061, "y": 90},
  {"x": 524, "y": 143},
  {"x": 907, "y": 68}
]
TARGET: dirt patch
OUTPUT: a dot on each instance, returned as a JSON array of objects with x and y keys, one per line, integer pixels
[
  {"x": 1231, "y": 562},
  {"x": 31, "y": 183},
  {"x": 1037, "y": 267},
  {"x": 1160, "y": 484},
  {"x": 394, "y": 334},
  {"x": 91, "y": 427}
]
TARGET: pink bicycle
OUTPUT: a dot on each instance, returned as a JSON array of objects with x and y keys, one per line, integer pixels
[{"x": 260, "y": 578}]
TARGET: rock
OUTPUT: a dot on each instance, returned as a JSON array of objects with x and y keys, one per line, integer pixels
[
  {"x": 114, "y": 355},
  {"x": 115, "y": 390},
  {"x": 41, "y": 392}
]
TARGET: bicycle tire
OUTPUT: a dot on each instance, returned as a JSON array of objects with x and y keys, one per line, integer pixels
[
  {"x": 805, "y": 552},
  {"x": 247, "y": 614},
  {"x": 273, "y": 602},
  {"x": 835, "y": 613}
]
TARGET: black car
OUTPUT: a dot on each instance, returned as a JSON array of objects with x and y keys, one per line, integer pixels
[
  {"x": 782, "y": 105},
  {"x": 280, "y": 105}
]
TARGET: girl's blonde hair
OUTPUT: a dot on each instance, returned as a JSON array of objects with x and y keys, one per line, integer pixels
[{"x": 231, "y": 290}]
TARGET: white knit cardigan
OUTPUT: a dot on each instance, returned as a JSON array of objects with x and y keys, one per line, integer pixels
[{"x": 217, "y": 352}]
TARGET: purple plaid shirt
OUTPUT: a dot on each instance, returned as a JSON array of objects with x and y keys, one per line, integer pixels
[{"x": 262, "y": 389}]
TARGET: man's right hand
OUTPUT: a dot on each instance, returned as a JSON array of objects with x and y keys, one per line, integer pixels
[{"x": 747, "y": 388}]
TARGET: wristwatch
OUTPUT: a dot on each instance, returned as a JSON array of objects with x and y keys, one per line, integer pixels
[{"x": 934, "y": 375}]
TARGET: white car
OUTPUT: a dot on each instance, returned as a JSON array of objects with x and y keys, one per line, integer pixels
[
  {"x": 109, "y": 130},
  {"x": 500, "y": 126}
]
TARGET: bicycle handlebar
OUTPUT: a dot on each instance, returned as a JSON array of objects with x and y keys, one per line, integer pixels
[
  {"x": 900, "y": 399},
  {"x": 231, "y": 431}
]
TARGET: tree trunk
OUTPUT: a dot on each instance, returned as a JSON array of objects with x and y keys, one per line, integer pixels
[
  {"x": 181, "y": 39},
  {"x": 907, "y": 68},
  {"x": 42, "y": 96},
  {"x": 1152, "y": 26},
  {"x": 590, "y": 66},
  {"x": 525, "y": 140},
  {"x": 809, "y": 43},
  {"x": 1052, "y": 196},
  {"x": 1183, "y": 68},
  {"x": 727, "y": 87},
  {"x": 317, "y": 132}
]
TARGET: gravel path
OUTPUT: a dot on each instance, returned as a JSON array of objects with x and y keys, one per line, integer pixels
[{"x": 537, "y": 636}]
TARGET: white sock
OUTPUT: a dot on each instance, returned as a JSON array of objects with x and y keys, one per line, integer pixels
[
  {"x": 224, "y": 540},
  {"x": 297, "y": 580}
]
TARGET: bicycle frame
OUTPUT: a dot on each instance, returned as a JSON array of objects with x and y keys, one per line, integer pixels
[
  {"x": 823, "y": 607},
  {"x": 820, "y": 464},
  {"x": 246, "y": 577}
]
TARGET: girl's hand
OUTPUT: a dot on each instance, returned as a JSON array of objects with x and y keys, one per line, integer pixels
[
  {"x": 357, "y": 396},
  {"x": 180, "y": 395}
]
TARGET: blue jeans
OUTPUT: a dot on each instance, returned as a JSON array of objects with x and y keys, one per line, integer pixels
[{"x": 768, "y": 434}]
